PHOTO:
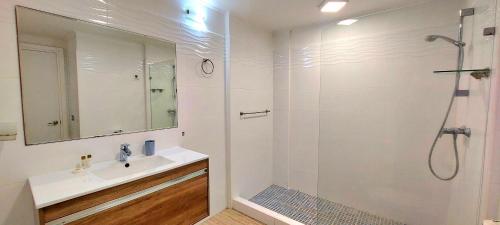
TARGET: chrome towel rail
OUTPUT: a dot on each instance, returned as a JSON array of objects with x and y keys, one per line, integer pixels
[
  {"x": 258, "y": 112},
  {"x": 476, "y": 73}
]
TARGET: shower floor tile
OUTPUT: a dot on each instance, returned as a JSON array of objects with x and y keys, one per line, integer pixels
[{"x": 312, "y": 210}]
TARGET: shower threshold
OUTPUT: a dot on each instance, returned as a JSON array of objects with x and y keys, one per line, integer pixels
[{"x": 312, "y": 210}]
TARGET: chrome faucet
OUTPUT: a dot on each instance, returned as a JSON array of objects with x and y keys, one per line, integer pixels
[{"x": 125, "y": 152}]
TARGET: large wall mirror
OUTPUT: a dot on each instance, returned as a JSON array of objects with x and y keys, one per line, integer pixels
[{"x": 82, "y": 79}]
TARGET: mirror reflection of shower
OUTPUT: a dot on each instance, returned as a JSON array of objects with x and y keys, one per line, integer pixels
[
  {"x": 452, "y": 131},
  {"x": 173, "y": 112},
  {"x": 163, "y": 94}
]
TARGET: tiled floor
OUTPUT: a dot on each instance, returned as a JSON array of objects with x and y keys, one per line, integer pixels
[
  {"x": 231, "y": 217},
  {"x": 312, "y": 210}
]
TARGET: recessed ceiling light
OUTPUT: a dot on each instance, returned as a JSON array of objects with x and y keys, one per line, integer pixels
[
  {"x": 332, "y": 5},
  {"x": 347, "y": 22}
]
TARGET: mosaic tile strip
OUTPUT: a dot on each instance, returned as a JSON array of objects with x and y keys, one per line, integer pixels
[{"x": 312, "y": 210}]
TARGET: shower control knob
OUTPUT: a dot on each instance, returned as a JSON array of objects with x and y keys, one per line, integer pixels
[
  {"x": 456, "y": 131},
  {"x": 465, "y": 131}
]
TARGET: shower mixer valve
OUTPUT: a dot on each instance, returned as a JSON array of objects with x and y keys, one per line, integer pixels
[{"x": 456, "y": 131}]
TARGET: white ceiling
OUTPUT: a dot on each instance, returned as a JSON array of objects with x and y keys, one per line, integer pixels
[{"x": 284, "y": 14}]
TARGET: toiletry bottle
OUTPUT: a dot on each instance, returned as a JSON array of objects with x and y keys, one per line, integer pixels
[
  {"x": 80, "y": 166},
  {"x": 88, "y": 161},
  {"x": 83, "y": 161}
]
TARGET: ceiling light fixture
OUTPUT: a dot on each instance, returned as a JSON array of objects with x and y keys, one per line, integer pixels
[
  {"x": 347, "y": 22},
  {"x": 332, "y": 5}
]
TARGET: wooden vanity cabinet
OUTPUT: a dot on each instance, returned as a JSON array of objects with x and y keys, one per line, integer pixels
[{"x": 186, "y": 202}]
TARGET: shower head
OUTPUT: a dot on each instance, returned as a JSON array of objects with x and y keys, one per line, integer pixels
[{"x": 432, "y": 38}]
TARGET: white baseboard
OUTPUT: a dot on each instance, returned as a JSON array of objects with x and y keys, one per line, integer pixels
[{"x": 261, "y": 214}]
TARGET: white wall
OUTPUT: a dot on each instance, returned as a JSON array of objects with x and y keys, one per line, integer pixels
[
  {"x": 473, "y": 111},
  {"x": 281, "y": 86},
  {"x": 380, "y": 109},
  {"x": 106, "y": 70},
  {"x": 491, "y": 177},
  {"x": 201, "y": 100},
  {"x": 305, "y": 51},
  {"x": 251, "y": 90},
  {"x": 381, "y": 106},
  {"x": 296, "y": 96},
  {"x": 491, "y": 191}
]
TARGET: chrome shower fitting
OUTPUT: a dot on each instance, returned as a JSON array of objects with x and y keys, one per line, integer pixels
[
  {"x": 432, "y": 38},
  {"x": 456, "y": 131},
  {"x": 467, "y": 12}
]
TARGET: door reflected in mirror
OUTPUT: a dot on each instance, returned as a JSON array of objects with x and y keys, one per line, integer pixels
[{"x": 82, "y": 80}]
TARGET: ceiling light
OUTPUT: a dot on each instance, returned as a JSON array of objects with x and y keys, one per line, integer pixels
[
  {"x": 332, "y": 5},
  {"x": 347, "y": 22}
]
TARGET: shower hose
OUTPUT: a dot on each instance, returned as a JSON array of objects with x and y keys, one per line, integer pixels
[{"x": 431, "y": 152}]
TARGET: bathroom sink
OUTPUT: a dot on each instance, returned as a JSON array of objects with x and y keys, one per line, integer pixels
[{"x": 117, "y": 169}]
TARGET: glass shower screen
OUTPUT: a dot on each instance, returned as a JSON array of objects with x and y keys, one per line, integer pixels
[{"x": 381, "y": 105}]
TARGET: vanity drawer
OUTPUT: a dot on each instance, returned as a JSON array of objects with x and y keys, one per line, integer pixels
[
  {"x": 179, "y": 197},
  {"x": 186, "y": 203}
]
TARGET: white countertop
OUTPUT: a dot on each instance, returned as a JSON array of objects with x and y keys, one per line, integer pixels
[{"x": 60, "y": 186}]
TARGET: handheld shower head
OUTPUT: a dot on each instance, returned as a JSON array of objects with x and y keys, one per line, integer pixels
[{"x": 432, "y": 38}]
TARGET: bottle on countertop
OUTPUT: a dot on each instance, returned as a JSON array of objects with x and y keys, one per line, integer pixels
[
  {"x": 81, "y": 165},
  {"x": 88, "y": 161}
]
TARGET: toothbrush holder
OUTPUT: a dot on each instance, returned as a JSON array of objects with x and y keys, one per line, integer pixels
[{"x": 149, "y": 147}]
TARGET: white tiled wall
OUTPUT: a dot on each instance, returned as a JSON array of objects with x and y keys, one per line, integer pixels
[
  {"x": 281, "y": 156},
  {"x": 472, "y": 111},
  {"x": 296, "y": 97},
  {"x": 201, "y": 100},
  {"x": 101, "y": 106},
  {"x": 251, "y": 78},
  {"x": 297, "y": 89},
  {"x": 491, "y": 189},
  {"x": 305, "y": 46},
  {"x": 380, "y": 107}
]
